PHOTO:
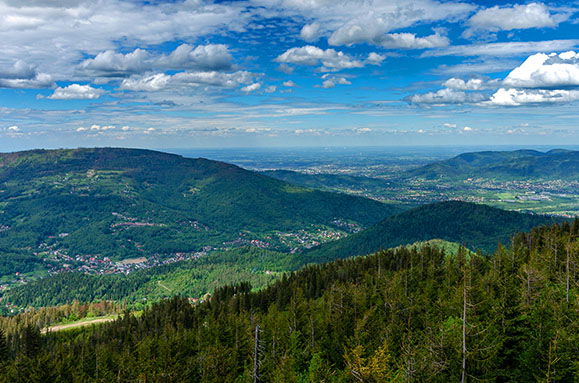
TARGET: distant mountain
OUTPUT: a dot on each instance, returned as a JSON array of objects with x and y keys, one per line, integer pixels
[
  {"x": 472, "y": 225},
  {"x": 131, "y": 202},
  {"x": 328, "y": 181},
  {"x": 518, "y": 164}
]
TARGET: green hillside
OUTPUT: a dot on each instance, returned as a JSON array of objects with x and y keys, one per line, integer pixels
[
  {"x": 518, "y": 164},
  {"x": 403, "y": 315},
  {"x": 193, "y": 278},
  {"x": 442, "y": 225},
  {"x": 124, "y": 203},
  {"x": 472, "y": 225},
  {"x": 329, "y": 181}
]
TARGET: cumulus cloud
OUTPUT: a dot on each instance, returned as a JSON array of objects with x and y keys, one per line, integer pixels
[
  {"x": 82, "y": 27},
  {"x": 446, "y": 96},
  {"x": 397, "y": 41},
  {"x": 375, "y": 58},
  {"x": 540, "y": 79},
  {"x": 24, "y": 76},
  {"x": 146, "y": 83},
  {"x": 162, "y": 81},
  {"x": 213, "y": 78},
  {"x": 212, "y": 57},
  {"x": 251, "y": 87},
  {"x": 546, "y": 71},
  {"x": 112, "y": 64},
  {"x": 309, "y": 55},
  {"x": 311, "y": 32},
  {"x": 76, "y": 92},
  {"x": 332, "y": 81},
  {"x": 471, "y": 84},
  {"x": 518, "y": 97},
  {"x": 96, "y": 128},
  {"x": 290, "y": 84},
  {"x": 460, "y": 84},
  {"x": 519, "y": 16},
  {"x": 369, "y": 21}
]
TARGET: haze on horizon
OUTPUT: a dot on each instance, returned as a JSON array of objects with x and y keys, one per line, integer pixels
[{"x": 196, "y": 73}]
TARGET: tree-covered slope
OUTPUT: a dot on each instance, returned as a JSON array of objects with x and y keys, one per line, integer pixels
[
  {"x": 129, "y": 202},
  {"x": 403, "y": 315},
  {"x": 518, "y": 164},
  {"x": 192, "y": 278},
  {"x": 472, "y": 225},
  {"x": 328, "y": 181}
]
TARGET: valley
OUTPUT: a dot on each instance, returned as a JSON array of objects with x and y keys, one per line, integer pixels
[{"x": 106, "y": 216}]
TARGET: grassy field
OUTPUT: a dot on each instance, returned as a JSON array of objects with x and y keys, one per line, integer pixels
[{"x": 80, "y": 323}]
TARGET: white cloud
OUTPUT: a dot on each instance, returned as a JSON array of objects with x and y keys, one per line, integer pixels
[
  {"x": 446, "y": 96},
  {"x": 13, "y": 128},
  {"x": 367, "y": 21},
  {"x": 546, "y": 71},
  {"x": 518, "y": 97},
  {"x": 213, "y": 78},
  {"x": 56, "y": 35},
  {"x": 503, "y": 49},
  {"x": 290, "y": 84},
  {"x": 76, "y": 92},
  {"x": 162, "y": 81},
  {"x": 310, "y": 55},
  {"x": 519, "y": 16},
  {"x": 212, "y": 57},
  {"x": 460, "y": 84},
  {"x": 467, "y": 129},
  {"x": 471, "y": 84},
  {"x": 96, "y": 128},
  {"x": 270, "y": 89},
  {"x": 24, "y": 76},
  {"x": 310, "y": 32},
  {"x": 375, "y": 58},
  {"x": 111, "y": 64},
  {"x": 411, "y": 41},
  {"x": 146, "y": 83},
  {"x": 251, "y": 87},
  {"x": 331, "y": 82}
]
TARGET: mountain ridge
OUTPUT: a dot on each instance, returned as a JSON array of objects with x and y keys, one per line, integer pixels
[
  {"x": 473, "y": 225},
  {"x": 520, "y": 164}
]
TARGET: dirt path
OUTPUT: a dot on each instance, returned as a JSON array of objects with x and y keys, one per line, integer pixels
[
  {"x": 163, "y": 286},
  {"x": 77, "y": 324}
]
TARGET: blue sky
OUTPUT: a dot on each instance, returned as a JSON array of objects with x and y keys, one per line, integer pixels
[{"x": 167, "y": 74}]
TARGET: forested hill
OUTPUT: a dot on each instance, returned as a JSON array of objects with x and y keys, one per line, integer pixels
[
  {"x": 474, "y": 226},
  {"x": 404, "y": 315},
  {"x": 128, "y": 202},
  {"x": 328, "y": 181},
  {"x": 518, "y": 164}
]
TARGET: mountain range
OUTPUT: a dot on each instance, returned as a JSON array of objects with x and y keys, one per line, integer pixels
[
  {"x": 123, "y": 203},
  {"x": 477, "y": 227},
  {"x": 518, "y": 164},
  {"x": 64, "y": 210}
]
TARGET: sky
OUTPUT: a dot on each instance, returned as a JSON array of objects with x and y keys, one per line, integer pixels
[{"x": 268, "y": 73}]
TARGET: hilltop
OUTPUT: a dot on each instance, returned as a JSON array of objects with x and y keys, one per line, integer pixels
[
  {"x": 518, "y": 164},
  {"x": 119, "y": 203},
  {"x": 472, "y": 225}
]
